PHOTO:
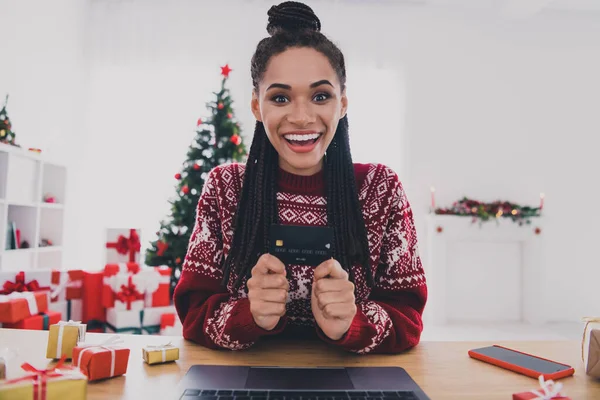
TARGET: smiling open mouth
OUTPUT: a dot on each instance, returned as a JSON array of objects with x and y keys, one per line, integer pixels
[{"x": 302, "y": 140}]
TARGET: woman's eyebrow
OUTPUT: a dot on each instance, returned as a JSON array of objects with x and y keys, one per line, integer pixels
[{"x": 288, "y": 87}]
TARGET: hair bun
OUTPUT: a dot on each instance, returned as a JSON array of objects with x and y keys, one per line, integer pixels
[{"x": 292, "y": 16}]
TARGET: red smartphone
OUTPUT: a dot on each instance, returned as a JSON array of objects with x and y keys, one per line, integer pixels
[{"x": 522, "y": 363}]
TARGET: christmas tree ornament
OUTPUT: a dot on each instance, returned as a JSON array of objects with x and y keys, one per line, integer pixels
[
  {"x": 178, "y": 176},
  {"x": 236, "y": 139},
  {"x": 199, "y": 122},
  {"x": 2, "y": 133},
  {"x": 178, "y": 260},
  {"x": 185, "y": 189},
  {"x": 229, "y": 115},
  {"x": 196, "y": 167},
  {"x": 220, "y": 106}
]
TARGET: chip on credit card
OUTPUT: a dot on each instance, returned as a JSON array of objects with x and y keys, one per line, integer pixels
[{"x": 301, "y": 245}]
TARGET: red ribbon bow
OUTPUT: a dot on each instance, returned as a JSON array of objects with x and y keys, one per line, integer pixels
[
  {"x": 19, "y": 285},
  {"x": 129, "y": 293},
  {"x": 40, "y": 377},
  {"x": 124, "y": 245}
]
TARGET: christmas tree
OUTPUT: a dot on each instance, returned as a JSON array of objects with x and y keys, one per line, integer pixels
[
  {"x": 217, "y": 141},
  {"x": 6, "y": 134}
]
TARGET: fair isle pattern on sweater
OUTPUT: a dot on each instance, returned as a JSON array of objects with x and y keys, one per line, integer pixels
[{"x": 394, "y": 256}]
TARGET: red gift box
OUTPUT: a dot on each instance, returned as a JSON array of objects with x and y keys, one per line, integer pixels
[
  {"x": 17, "y": 306},
  {"x": 105, "y": 360},
  {"x": 93, "y": 313},
  {"x": 161, "y": 297},
  {"x": 167, "y": 320},
  {"x": 39, "y": 322},
  {"x": 110, "y": 270},
  {"x": 549, "y": 390}
]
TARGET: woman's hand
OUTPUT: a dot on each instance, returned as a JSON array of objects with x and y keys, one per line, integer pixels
[
  {"x": 332, "y": 299},
  {"x": 267, "y": 291}
]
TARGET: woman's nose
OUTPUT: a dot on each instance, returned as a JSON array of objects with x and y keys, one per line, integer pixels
[{"x": 300, "y": 114}]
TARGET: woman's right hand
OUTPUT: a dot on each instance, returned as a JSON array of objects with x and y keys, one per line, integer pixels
[{"x": 267, "y": 291}]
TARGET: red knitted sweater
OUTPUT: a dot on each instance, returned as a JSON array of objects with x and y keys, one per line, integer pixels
[{"x": 388, "y": 319}]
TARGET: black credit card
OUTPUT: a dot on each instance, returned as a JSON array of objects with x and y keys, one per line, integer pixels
[{"x": 301, "y": 245}]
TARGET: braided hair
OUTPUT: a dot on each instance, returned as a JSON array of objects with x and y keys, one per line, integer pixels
[{"x": 292, "y": 24}]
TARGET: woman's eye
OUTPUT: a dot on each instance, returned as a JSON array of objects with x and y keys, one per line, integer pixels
[
  {"x": 279, "y": 99},
  {"x": 321, "y": 97}
]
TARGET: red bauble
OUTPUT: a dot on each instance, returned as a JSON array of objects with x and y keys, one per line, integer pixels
[
  {"x": 178, "y": 260},
  {"x": 439, "y": 229},
  {"x": 185, "y": 189},
  {"x": 178, "y": 176},
  {"x": 196, "y": 167},
  {"x": 229, "y": 115},
  {"x": 220, "y": 106},
  {"x": 199, "y": 122},
  {"x": 236, "y": 139},
  {"x": 226, "y": 70}
]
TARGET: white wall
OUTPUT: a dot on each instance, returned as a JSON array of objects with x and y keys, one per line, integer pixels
[
  {"x": 43, "y": 68},
  {"x": 474, "y": 103}
]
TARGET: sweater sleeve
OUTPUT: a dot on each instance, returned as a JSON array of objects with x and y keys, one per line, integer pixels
[
  {"x": 390, "y": 320},
  {"x": 210, "y": 315}
]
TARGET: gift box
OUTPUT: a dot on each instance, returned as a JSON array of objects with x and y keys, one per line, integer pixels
[
  {"x": 590, "y": 346},
  {"x": 35, "y": 281},
  {"x": 69, "y": 309},
  {"x": 63, "y": 337},
  {"x": 151, "y": 318},
  {"x": 67, "y": 285},
  {"x": 2, "y": 368},
  {"x": 158, "y": 288},
  {"x": 116, "y": 275},
  {"x": 39, "y": 322},
  {"x": 166, "y": 320},
  {"x": 123, "y": 321},
  {"x": 122, "y": 245},
  {"x": 57, "y": 383},
  {"x": 17, "y": 306},
  {"x": 549, "y": 390},
  {"x": 160, "y": 354},
  {"x": 93, "y": 313},
  {"x": 100, "y": 361}
]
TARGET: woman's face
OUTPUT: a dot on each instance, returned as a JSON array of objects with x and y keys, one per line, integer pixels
[{"x": 300, "y": 102}]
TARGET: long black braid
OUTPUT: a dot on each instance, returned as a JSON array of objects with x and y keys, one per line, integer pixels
[{"x": 293, "y": 24}]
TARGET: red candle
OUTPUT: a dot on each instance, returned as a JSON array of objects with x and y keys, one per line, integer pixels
[
  {"x": 542, "y": 201},
  {"x": 432, "y": 198}
]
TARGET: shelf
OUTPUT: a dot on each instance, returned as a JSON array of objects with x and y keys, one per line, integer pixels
[
  {"x": 21, "y": 204},
  {"x": 49, "y": 249},
  {"x": 21, "y": 251},
  {"x": 51, "y": 225},
  {"x": 54, "y": 180},
  {"x": 22, "y": 180},
  {"x": 25, "y": 219},
  {"x": 52, "y": 206},
  {"x": 49, "y": 259},
  {"x": 3, "y": 176}
]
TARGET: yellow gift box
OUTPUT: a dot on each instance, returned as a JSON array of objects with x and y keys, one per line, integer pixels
[
  {"x": 63, "y": 337},
  {"x": 51, "y": 384},
  {"x": 160, "y": 354},
  {"x": 2, "y": 368}
]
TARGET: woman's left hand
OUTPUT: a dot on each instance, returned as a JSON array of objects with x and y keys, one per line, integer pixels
[{"x": 332, "y": 299}]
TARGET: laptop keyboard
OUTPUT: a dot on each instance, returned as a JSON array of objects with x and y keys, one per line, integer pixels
[{"x": 190, "y": 394}]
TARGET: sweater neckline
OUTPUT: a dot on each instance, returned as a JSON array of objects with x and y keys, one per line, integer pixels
[{"x": 306, "y": 184}]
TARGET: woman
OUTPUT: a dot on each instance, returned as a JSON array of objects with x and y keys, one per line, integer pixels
[{"x": 371, "y": 295}]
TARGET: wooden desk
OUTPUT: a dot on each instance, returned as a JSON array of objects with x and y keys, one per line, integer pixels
[{"x": 442, "y": 369}]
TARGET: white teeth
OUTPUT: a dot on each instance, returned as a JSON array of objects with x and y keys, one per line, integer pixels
[{"x": 302, "y": 138}]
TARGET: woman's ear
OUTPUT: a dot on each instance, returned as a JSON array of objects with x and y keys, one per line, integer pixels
[
  {"x": 255, "y": 106},
  {"x": 344, "y": 104}
]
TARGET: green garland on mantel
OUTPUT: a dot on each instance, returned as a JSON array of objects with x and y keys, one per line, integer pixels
[{"x": 490, "y": 211}]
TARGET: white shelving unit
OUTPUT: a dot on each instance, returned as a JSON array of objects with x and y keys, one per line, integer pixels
[{"x": 25, "y": 177}]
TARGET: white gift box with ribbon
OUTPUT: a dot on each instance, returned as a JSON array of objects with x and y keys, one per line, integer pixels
[
  {"x": 151, "y": 317},
  {"x": 118, "y": 321},
  {"x": 590, "y": 324}
]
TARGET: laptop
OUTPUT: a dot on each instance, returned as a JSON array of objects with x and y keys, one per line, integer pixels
[{"x": 213, "y": 382}]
